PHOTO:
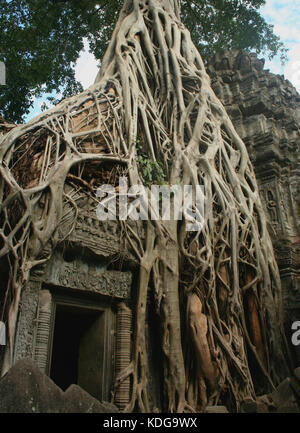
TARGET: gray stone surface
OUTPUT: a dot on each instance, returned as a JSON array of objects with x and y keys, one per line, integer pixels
[
  {"x": 216, "y": 409},
  {"x": 76, "y": 400},
  {"x": 254, "y": 406},
  {"x": 284, "y": 398},
  {"x": 25, "y": 389}
]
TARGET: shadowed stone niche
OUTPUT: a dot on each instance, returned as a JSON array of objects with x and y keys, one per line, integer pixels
[{"x": 265, "y": 110}]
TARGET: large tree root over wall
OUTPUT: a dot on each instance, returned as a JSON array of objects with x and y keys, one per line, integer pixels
[{"x": 217, "y": 290}]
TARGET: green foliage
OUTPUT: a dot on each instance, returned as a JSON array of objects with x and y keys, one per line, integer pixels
[
  {"x": 40, "y": 41},
  {"x": 152, "y": 171},
  {"x": 229, "y": 24}
]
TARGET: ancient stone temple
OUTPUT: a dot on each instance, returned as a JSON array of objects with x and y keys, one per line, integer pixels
[
  {"x": 144, "y": 312},
  {"x": 265, "y": 110}
]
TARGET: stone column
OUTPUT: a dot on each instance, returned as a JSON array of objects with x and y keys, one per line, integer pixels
[
  {"x": 24, "y": 343},
  {"x": 43, "y": 330},
  {"x": 123, "y": 353}
]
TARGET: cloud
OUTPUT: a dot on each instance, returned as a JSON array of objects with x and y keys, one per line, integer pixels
[
  {"x": 86, "y": 67},
  {"x": 284, "y": 15},
  {"x": 292, "y": 69}
]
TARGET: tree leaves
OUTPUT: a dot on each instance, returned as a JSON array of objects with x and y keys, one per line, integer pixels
[{"x": 41, "y": 41}]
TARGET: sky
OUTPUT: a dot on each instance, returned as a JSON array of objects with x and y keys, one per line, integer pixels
[{"x": 283, "y": 14}]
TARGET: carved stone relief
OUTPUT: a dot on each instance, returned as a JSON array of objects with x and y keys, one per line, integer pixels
[
  {"x": 268, "y": 194},
  {"x": 88, "y": 277},
  {"x": 104, "y": 238},
  {"x": 25, "y": 334},
  {"x": 271, "y": 206}
]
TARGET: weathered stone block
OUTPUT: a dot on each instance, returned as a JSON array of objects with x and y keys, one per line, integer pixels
[
  {"x": 216, "y": 409},
  {"x": 76, "y": 400},
  {"x": 284, "y": 398},
  {"x": 25, "y": 389}
]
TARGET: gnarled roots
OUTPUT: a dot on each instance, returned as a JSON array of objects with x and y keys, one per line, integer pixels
[{"x": 217, "y": 290}]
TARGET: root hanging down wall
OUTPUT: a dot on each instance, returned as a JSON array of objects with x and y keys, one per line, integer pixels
[{"x": 216, "y": 291}]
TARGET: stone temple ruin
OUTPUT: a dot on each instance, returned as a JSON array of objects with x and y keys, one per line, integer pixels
[
  {"x": 265, "y": 110},
  {"x": 76, "y": 312}
]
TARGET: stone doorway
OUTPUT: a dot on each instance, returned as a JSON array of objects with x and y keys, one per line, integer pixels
[
  {"x": 63, "y": 322},
  {"x": 77, "y": 355}
]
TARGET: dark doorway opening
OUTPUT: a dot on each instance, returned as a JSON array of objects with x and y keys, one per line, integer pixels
[{"x": 77, "y": 349}]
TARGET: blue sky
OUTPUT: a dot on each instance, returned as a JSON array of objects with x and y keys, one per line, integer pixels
[{"x": 283, "y": 14}]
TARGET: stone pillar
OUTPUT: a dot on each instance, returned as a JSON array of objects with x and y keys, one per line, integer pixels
[
  {"x": 123, "y": 353},
  {"x": 24, "y": 343},
  {"x": 43, "y": 328}
]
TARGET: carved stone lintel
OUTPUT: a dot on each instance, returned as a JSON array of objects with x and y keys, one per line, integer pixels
[{"x": 83, "y": 276}]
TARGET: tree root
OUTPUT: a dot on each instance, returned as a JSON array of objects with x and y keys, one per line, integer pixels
[{"x": 153, "y": 88}]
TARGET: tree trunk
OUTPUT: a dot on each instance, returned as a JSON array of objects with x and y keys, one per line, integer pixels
[{"x": 153, "y": 91}]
